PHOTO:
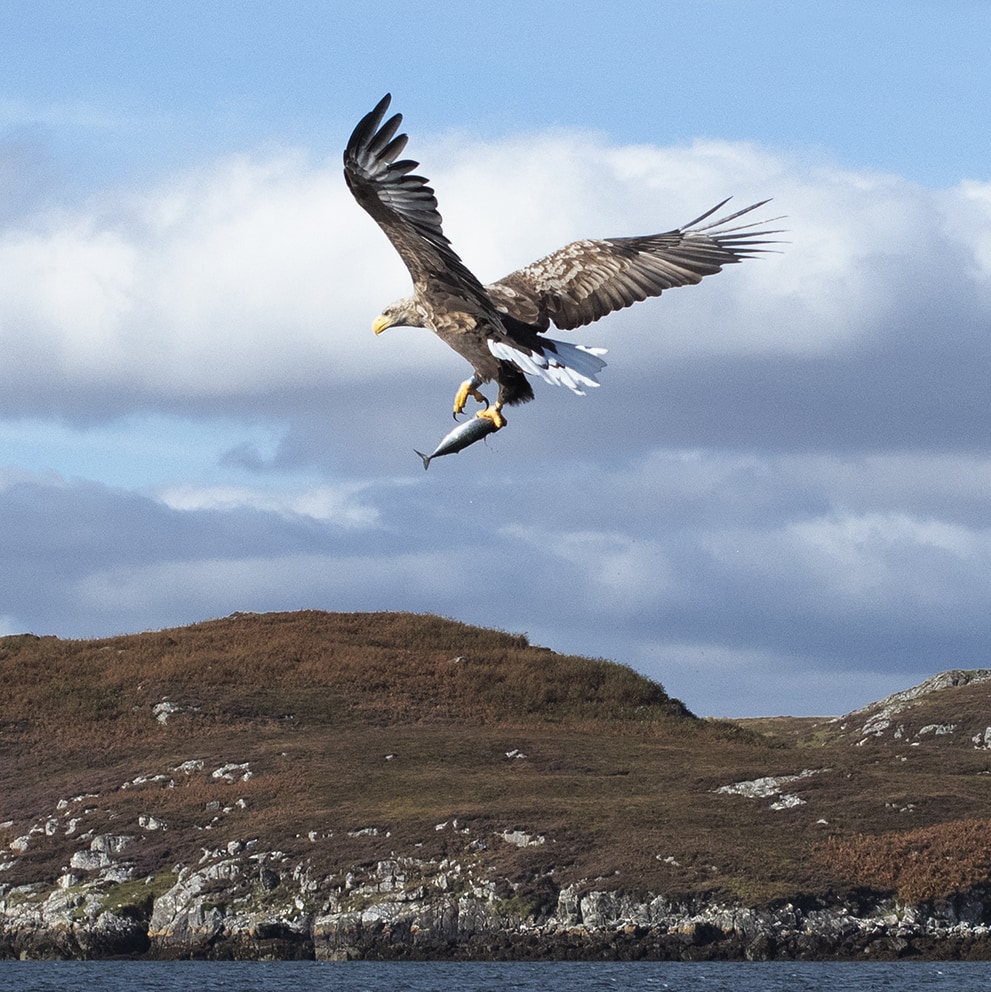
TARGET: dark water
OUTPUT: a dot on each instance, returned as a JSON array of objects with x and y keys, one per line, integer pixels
[{"x": 195, "y": 976}]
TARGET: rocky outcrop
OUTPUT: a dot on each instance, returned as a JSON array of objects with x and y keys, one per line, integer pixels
[
  {"x": 890, "y": 718},
  {"x": 239, "y": 903},
  {"x": 67, "y": 922},
  {"x": 594, "y": 924}
]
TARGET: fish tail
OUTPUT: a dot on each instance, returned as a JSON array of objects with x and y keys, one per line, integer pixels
[{"x": 426, "y": 459}]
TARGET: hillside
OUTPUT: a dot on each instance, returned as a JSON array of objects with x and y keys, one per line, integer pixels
[{"x": 319, "y": 747}]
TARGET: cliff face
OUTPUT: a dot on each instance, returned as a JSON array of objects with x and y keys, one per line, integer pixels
[
  {"x": 252, "y": 906},
  {"x": 343, "y": 786}
]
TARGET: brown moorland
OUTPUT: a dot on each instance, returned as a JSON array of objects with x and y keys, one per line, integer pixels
[{"x": 344, "y": 738}]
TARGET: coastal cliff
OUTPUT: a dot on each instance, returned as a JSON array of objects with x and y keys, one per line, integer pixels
[
  {"x": 341, "y": 786},
  {"x": 232, "y": 907}
]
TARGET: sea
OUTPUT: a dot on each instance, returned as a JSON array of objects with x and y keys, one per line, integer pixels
[{"x": 246, "y": 976}]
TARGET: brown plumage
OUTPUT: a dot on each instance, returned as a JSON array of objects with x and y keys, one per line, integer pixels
[{"x": 499, "y": 328}]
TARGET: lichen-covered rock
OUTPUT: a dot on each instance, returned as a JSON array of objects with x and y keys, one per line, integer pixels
[
  {"x": 253, "y": 904},
  {"x": 67, "y": 922}
]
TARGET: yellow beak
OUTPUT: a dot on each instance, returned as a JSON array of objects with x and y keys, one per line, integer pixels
[{"x": 380, "y": 323}]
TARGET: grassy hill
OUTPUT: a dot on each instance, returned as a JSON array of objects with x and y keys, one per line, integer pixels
[{"x": 345, "y": 738}]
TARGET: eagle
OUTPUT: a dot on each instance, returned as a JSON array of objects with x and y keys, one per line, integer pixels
[{"x": 500, "y": 328}]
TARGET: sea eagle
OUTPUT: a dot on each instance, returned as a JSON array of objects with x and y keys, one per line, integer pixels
[{"x": 500, "y": 328}]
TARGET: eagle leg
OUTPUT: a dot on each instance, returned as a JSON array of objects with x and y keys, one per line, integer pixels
[
  {"x": 493, "y": 413},
  {"x": 468, "y": 388}
]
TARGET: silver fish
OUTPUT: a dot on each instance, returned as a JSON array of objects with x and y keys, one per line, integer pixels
[{"x": 464, "y": 434}]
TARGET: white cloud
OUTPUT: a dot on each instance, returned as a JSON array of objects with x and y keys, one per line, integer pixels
[
  {"x": 967, "y": 209},
  {"x": 619, "y": 573},
  {"x": 339, "y": 505},
  {"x": 254, "y": 275},
  {"x": 235, "y": 280}
]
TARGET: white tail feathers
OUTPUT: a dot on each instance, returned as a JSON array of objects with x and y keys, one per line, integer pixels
[{"x": 571, "y": 365}]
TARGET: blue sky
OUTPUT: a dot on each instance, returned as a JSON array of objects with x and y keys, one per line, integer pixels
[{"x": 777, "y": 502}]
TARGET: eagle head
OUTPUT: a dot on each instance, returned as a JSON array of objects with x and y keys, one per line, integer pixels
[{"x": 402, "y": 313}]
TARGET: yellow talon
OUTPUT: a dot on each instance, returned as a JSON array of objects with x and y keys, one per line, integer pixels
[
  {"x": 494, "y": 414},
  {"x": 466, "y": 389}
]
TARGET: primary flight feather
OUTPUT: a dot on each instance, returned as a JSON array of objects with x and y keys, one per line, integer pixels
[{"x": 499, "y": 328}]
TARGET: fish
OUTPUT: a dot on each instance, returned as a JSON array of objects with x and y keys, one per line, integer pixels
[{"x": 463, "y": 435}]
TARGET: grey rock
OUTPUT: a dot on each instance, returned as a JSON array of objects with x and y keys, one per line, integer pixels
[{"x": 250, "y": 903}]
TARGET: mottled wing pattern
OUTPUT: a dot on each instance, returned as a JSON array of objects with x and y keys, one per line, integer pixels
[
  {"x": 585, "y": 280},
  {"x": 402, "y": 203}
]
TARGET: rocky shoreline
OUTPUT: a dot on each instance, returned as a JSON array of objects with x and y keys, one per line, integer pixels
[{"x": 239, "y": 904}]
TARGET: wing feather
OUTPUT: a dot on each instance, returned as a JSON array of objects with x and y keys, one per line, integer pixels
[
  {"x": 586, "y": 280},
  {"x": 404, "y": 205}
]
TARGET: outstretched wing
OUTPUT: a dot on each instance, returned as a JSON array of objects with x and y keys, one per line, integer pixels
[
  {"x": 585, "y": 280},
  {"x": 403, "y": 204}
]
